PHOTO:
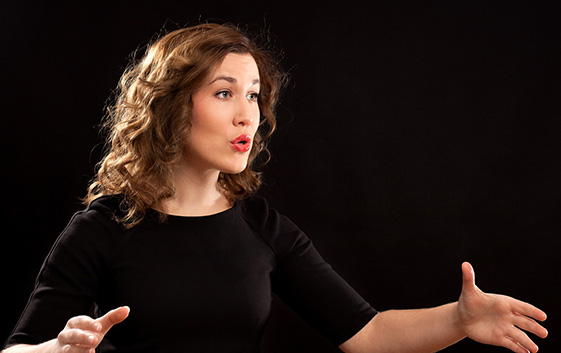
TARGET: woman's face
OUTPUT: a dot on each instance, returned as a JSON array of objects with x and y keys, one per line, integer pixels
[{"x": 225, "y": 117}]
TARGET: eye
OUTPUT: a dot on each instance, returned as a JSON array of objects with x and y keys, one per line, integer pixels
[
  {"x": 223, "y": 94},
  {"x": 253, "y": 97}
]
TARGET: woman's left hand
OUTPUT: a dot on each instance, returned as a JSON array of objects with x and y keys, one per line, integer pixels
[{"x": 497, "y": 319}]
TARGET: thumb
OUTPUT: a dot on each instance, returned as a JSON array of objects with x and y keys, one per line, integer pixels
[
  {"x": 113, "y": 317},
  {"x": 468, "y": 277}
]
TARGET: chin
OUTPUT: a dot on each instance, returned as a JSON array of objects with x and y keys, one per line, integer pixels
[{"x": 234, "y": 170}]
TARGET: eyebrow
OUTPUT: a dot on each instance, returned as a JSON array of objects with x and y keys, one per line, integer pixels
[{"x": 232, "y": 80}]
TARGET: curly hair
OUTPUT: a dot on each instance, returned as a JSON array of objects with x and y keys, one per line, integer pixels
[{"x": 151, "y": 112}]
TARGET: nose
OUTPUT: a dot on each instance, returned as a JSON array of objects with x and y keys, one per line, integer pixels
[{"x": 246, "y": 114}]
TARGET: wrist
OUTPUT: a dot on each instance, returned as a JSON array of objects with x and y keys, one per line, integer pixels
[
  {"x": 456, "y": 320},
  {"x": 51, "y": 346},
  {"x": 45, "y": 347}
]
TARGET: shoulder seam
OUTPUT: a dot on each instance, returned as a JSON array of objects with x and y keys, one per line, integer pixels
[{"x": 258, "y": 233}]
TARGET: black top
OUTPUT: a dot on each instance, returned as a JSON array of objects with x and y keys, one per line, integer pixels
[{"x": 194, "y": 284}]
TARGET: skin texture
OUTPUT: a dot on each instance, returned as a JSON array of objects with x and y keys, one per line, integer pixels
[
  {"x": 486, "y": 318},
  {"x": 223, "y": 109}
]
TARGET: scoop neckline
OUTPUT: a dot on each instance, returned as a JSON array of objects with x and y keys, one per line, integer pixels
[{"x": 202, "y": 217}]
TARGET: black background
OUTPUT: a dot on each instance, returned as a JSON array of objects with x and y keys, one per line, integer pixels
[{"x": 412, "y": 136}]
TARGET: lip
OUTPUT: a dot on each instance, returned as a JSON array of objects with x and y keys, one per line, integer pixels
[{"x": 241, "y": 143}]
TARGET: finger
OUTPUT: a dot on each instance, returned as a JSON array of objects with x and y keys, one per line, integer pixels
[
  {"x": 468, "y": 276},
  {"x": 75, "y": 349},
  {"x": 522, "y": 339},
  {"x": 507, "y": 342},
  {"x": 529, "y": 310},
  {"x": 112, "y": 318},
  {"x": 77, "y": 337},
  {"x": 527, "y": 324},
  {"x": 83, "y": 322},
  {"x": 468, "y": 272}
]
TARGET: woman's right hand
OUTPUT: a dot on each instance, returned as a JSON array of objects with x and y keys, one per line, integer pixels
[{"x": 82, "y": 334}]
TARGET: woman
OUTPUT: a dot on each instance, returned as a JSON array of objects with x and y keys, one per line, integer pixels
[{"x": 173, "y": 231}]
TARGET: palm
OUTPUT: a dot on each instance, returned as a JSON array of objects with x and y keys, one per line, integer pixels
[{"x": 497, "y": 319}]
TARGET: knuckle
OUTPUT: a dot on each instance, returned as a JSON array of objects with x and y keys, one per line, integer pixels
[
  {"x": 64, "y": 336},
  {"x": 79, "y": 321},
  {"x": 73, "y": 336},
  {"x": 73, "y": 322}
]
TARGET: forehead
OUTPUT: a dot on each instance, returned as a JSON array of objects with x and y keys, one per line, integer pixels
[{"x": 238, "y": 66}]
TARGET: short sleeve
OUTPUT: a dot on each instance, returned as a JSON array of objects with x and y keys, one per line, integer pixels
[
  {"x": 304, "y": 281},
  {"x": 67, "y": 282}
]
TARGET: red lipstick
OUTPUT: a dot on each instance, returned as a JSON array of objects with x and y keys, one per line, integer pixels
[{"x": 241, "y": 143}]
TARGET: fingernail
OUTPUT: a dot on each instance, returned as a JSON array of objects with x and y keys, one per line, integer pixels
[{"x": 91, "y": 338}]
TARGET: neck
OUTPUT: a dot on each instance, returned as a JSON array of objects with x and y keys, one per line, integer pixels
[{"x": 196, "y": 194}]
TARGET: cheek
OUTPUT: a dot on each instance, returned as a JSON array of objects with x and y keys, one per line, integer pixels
[
  {"x": 203, "y": 122},
  {"x": 203, "y": 111},
  {"x": 257, "y": 119}
]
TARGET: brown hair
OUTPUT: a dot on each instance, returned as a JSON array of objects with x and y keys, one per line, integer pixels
[{"x": 147, "y": 122}]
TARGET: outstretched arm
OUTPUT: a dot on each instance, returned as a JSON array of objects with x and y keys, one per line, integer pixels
[{"x": 486, "y": 318}]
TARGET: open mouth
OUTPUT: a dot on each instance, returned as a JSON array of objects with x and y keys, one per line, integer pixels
[{"x": 241, "y": 143}]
